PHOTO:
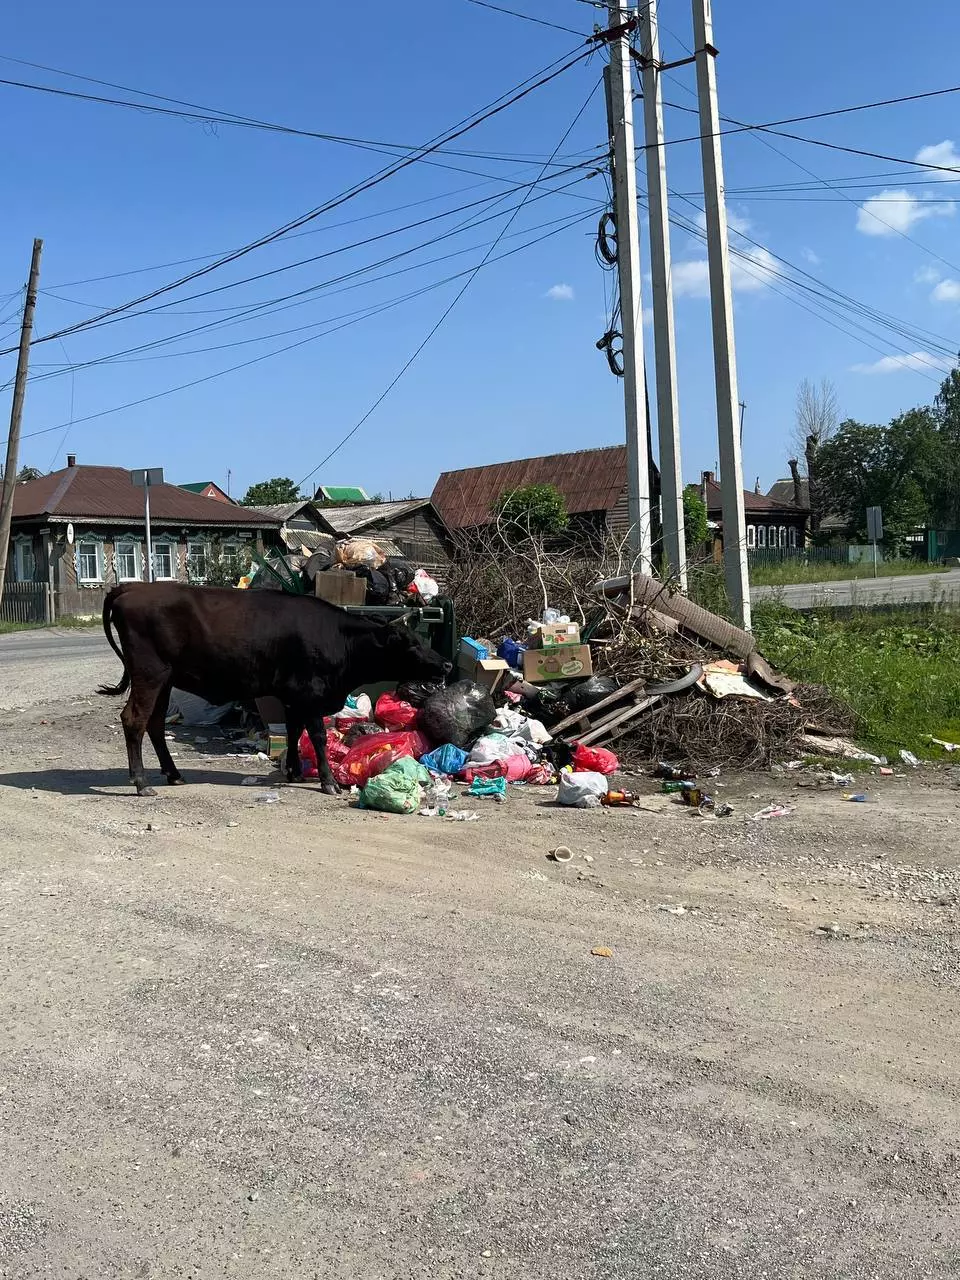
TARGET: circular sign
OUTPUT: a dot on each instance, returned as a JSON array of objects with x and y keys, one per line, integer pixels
[{"x": 70, "y": 534}]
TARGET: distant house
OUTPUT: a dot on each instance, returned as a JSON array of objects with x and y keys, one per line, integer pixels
[
  {"x": 341, "y": 493},
  {"x": 593, "y": 483},
  {"x": 79, "y": 531},
  {"x": 772, "y": 523},
  {"x": 413, "y": 527},
  {"x": 796, "y": 489},
  {"x": 207, "y": 489},
  {"x": 300, "y": 527}
]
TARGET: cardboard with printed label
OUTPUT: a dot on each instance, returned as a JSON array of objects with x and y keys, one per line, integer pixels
[
  {"x": 559, "y": 662},
  {"x": 549, "y": 634}
]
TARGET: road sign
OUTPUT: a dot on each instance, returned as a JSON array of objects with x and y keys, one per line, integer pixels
[
  {"x": 144, "y": 478},
  {"x": 874, "y": 524}
]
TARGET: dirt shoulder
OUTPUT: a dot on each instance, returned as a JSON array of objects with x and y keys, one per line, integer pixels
[{"x": 295, "y": 1039}]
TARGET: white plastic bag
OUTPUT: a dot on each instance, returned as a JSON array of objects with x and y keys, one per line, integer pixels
[
  {"x": 493, "y": 746},
  {"x": 425, "y": 586},
  {"x": 582, "y": 790}
]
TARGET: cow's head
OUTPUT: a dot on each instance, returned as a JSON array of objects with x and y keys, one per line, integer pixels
[{"x": 406, "y": 658}]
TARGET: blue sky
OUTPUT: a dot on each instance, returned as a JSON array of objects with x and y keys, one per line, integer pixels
[{"x": 514, "y": 370}]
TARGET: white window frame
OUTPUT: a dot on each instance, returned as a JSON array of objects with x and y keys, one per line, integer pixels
[
  {"x": 792, "y": 536},
  {"x": 137, "y": 559},
  {"x": 204, "y": 544},
  {"x": 751, "y": 536},
  {"x": 762, "y": 536},
  {"x": 21, "y": 544},
  {"x": 783, "y": 536},
  {"x": 172, "y": 547},
  {"x": 97, "y": 544}
]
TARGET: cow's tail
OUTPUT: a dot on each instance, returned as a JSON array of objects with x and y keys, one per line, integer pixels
[{"x": 112, "y": 691}]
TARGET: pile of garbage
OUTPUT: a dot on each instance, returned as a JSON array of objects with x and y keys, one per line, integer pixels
[
  {"x": 663, "y": 678},
  {"x": 407, "y": 752},
  {"x": 380, "y": 579}
]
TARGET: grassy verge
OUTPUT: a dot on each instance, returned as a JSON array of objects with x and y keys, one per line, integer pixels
[
  {"x": 64, "y": 624},
  {"x": 900, "y": 672},
  {"x": 781, "y": 575}
]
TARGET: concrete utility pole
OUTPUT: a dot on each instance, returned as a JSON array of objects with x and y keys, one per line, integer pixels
[
  {"x": 668, "y": 411},
  {"x": 16, "y": 412},
  {"x": 620, "y": 119},
  {"x": 721, "y": 305}
]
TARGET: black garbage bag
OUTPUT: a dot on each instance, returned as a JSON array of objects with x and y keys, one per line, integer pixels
[
  {"x": 589, "y": 691},
  {"x": 379, "y": 587},
  {"x": 416, "y": 692},
  {"x": 457, "y": 714},
  {"x": 399, "y": 571},
  {"x": 319, "y": 562}
]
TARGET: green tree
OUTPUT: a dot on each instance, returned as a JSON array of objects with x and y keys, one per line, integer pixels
[
  {"x": 945, "y": 499},
  {"x": 533, "y": 509},
  {"x": 270, "y": 493},
  {"x": 892, "y": 467},
  {"x": 695, "y": 525}
]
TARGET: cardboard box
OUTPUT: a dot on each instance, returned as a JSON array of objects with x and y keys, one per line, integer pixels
[
  {"x": 554, "y": 633},
  {"x": 472, "y": 651},
  {"x": 341, "y": 588},
  {"x": 559, "y": 662},
  {"x": 490, "y": 672}
]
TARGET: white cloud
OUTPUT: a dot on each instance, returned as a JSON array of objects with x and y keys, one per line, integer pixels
[
  {"x": 927, "y": 275},
  {"x": 691, "y": 279},
  {"x": 809, "y": 256},
  {"x": 946, "y": 291},
  {"x": 891, "y": 212},
  {"x": 942, "y": 154},
  {"x": 749, "y": 273},
  {"x": 560, "y": 293},
  {"x": 918, "y": 361}
]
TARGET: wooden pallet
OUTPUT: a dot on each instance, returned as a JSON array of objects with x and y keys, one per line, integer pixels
[{"x": 609, "y": 718}]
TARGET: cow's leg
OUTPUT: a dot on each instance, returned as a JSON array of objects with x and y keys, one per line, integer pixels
[
  {"x": 294, "y": 730},
  {"x": 134, "y": 717},
  {"x": 156, "y": 727},
  {"x": 318, "y": 736}
]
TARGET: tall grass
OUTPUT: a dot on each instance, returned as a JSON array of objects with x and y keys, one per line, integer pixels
[
  {"x": 899, "y": 670},
  {"x": 790, "y": 571}
]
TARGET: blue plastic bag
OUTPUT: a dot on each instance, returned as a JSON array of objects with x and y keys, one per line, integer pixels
[
  {"x": 512, "y": 653},
  {"x": 446, "y": 759},
  {"x": 496, "y": 787}
]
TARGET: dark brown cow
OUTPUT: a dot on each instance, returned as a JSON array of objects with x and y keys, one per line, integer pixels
[{"x": 227, "y": 645}]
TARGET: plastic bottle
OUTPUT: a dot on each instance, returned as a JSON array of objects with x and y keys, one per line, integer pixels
[
  {"x": 615, "y": 798},
  {"x": 858, "y": 797},
  {"x": 670, "y": 788}
]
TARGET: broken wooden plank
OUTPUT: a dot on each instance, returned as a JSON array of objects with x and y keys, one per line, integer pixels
[
  {"x": 617, "y": 725},
  {"x": 588, "y": 713}
]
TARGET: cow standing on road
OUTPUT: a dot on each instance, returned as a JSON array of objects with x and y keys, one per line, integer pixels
[{"x": 227, "y": 645}]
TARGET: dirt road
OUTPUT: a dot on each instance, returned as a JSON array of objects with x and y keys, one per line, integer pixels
[{"x": 296, "y": 1040}]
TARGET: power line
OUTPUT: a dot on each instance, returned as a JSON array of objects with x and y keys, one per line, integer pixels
[
  {"x": 446, "y": 312},
  {"x": 268, "y": 355},
  {"x": 390, "y": 171},
  {"x": 526, "y": 17}
]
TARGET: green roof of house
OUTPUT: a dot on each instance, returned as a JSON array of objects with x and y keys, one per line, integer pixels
[
  {"x": 342, "y": 493},
  {"x": 197, "y": 487}
]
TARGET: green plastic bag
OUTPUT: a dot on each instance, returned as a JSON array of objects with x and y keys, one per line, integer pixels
[{"x": 396, "y": 790}]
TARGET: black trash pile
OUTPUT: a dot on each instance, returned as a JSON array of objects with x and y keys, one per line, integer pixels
[{"x": 387, "y": 580}]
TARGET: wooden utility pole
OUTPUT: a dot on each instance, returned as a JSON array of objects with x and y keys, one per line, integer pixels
[
  {"x": 668, "y": 411},
  {"x": 721, "y": 306},
  {"x": 620, "y": 109},
  {"x": 16, "y": 412}
]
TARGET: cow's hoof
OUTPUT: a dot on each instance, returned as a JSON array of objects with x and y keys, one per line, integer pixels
[
  {"x": 294, "y": 777},
  {"x": 146, "y": 791},
  {"x": 330, "y": 789},
  {"x": 178, "y": 780}
]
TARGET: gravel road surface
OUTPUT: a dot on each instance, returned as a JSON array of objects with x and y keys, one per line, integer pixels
[{"x": 257, "y": 1040}]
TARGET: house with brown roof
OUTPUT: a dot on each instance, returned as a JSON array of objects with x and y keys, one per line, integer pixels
[
  {"x": 413, "y": 526},
  {"x": 593, "y": 483},
  {"x": 772, "y": 523},
  {"x": 81, "y": 530}
]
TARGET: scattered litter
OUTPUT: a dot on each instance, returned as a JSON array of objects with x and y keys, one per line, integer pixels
[
  {"x": 436, "y": 798},
  {"x": 250, "y": 782},
  {"x": 562, "y": 853},
  {"x": 726, "y": 679},
  {"x": 947, "y": 746},
  {"x": 829, "y": 930},
  {"x": 774, "y": 811},
  {"x": 857, "y": 797},
  {"x": 605, "y": 952},
  {"x": 588, "y": 857},
  {"x": 673, "y": 911},
  {"x": 268, "y": 797},
  {"x": 462, "y": 816},
  {"x": 496, "y": 787},
  {"x": 825, "y": 746},
  {"x": 582, "y": 790},
  {"x": 909, "y": 758},
  {"x": 886, "y": 773}
]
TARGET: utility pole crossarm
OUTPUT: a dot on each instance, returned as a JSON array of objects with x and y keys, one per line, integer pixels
[{"x": 16, "y": 412}]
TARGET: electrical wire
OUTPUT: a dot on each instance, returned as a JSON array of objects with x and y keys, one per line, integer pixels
[
  {"x": 367, "y": 184},
  {"x": 483, "y": 4},
  {"x": 268, "y": 355},
  {"x": 445, "y": 313}
]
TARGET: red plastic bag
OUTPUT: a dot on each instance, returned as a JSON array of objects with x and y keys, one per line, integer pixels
[
  {"x": 594, "y": 760},
  {"x": 393, "y": 713},
  {"x": 376, "y": 752},
  {"x": 336, "y": 750}
]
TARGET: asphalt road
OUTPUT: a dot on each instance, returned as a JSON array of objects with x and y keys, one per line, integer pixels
[
  {"x": 916, "y": 588},
  {"x": 37, "y": 667}
]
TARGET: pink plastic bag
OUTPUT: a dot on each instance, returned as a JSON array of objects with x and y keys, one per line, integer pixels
[
  {"x": 393, "y": 713},
  {"x": 376, "y": 752},
  {"x": 336, "y": 750},
  {"x": 594, "y": 760}
]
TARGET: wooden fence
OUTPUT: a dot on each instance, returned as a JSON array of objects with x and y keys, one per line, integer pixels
[{"x": 26, "y": 602}]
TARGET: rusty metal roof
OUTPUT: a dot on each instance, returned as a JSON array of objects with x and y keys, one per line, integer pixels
[
  {"x": 362, "y": 515},
  {"x": 89, "y": 493},
  {"x": 589, "y": 479},
  {"x": 756, "y": 502}
]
